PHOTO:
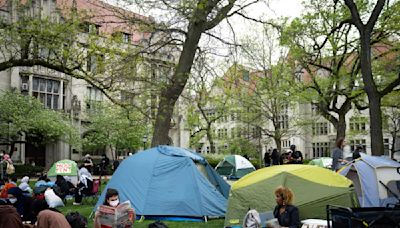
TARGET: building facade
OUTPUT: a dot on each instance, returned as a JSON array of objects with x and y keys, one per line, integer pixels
[
  {"x": 76, "y": 97},
  {"x": 314, "y": 137}
]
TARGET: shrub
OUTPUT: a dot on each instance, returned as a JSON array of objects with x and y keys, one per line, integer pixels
[
  {"x": 256, "y": 163},
  {"x": 27, "y": 170},
  {"x": 306, "y": 161},
  {"x": 213, "y": 159}
]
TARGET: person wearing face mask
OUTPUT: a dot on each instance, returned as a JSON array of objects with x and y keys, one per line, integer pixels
[
  {"x": 22, "y": 203},
  {"x": 111, "y": 200}
]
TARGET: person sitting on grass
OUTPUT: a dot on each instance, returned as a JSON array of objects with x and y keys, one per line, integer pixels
[
  {"x": 112, "y": 200},
  {"x": 22, "y": 203},
  {"x": 7, "y": 185},
  {"x": 62, "y": 186},
  {"x": 9, "y": 216},
  {"x": 84, "y": 186},
  {"x": 48, "y": 217},
  {"x": 24, "y": 186},
  {"x": 286, "y": 213}
]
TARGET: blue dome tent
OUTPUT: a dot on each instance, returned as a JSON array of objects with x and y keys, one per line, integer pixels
[{"x": 165, "y": 181}]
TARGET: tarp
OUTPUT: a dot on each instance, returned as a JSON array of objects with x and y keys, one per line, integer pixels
[
  {"x": 367, "y": 172},
  {"x": 165, "y": 181},
  {"x": 313, "y": 188},
  {"x": 64, "y": 168},
  {"x": 324, "y": 162},
  {"x": 234, "y": 167}
]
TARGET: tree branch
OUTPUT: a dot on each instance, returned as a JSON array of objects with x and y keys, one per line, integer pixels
[
  {"x": 389, "y": 88},
  {"x": 221, "y": 15},
  {"x": 356, "y": 20},
  {"x": 375, "y": 14}
]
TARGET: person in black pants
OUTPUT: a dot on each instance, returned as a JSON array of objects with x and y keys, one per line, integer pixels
[
  {"x": 84, "y": 186},
  {"x": 267, "y": 158},
  {"x": 286, "y": 213},
  {"x": 275, "y": 157},
  {"x": 105, "y": 161}
]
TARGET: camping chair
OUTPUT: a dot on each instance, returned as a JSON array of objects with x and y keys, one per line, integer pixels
[
  {"x": 94, "y": 193},
  {"x": 338, "y": 217}
]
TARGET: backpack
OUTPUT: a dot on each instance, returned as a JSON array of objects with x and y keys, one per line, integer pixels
[
  {"x": 76, "y": 220},
  {"x": 157, "y": 224},
  {"x": 10, "y": 168},
  {"x": 252, "y": 219}
]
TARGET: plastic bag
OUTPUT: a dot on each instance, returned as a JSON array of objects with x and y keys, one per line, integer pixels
[{"x": 52, "y": 199}]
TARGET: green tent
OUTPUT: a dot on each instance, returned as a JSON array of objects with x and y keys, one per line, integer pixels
[
  {"x": 313, "y": 188},
  {"x": 324, "y": 162},
  {"x": 64, "y": 168},
  {"x": 234, "y": 167}
]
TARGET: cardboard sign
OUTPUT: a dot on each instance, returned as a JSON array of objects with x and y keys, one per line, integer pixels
[{"x": 63, "y": 168}]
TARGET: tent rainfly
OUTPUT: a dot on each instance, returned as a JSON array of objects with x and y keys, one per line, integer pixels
[{"x": 314, "y": 187}]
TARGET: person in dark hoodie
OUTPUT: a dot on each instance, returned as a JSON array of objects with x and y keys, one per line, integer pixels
[
  {"x": 48, "y": 217},
  {"x": 9, "y": 216},
  {"x": 22, "y": 203},
  {"x": 63, "y": 186}
]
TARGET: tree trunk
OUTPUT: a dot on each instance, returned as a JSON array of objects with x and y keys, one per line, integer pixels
[
  {"x": 278, "y": 142},
  {"x": 373, "y": 94},
  {"x": 394, "y": 135},
  {"x": 171, "y": 92},
  {"x": 211, "y": 140},
  {"x": 341, "y": 123},
  {"x": 341, "y": 127}
]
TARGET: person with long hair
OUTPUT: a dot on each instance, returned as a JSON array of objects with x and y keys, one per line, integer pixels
[
  {"x": 286, "y": 213},
  {"x": 337, "y": 154}
]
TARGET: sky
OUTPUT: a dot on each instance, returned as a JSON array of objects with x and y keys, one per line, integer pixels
[{"x": 266, "y": 9}]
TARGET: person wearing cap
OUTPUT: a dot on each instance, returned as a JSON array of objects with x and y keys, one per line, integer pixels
[
  {"x": 296, "y": 156},
  {"x": 87, "y": 161}
]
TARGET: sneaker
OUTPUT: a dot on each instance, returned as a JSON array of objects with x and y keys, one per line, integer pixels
[{"x": 75, "y": 203}]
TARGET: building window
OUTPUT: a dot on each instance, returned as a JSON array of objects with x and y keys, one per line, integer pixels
[
  {"x": 94, "y": 99},
  {"x": 283, "y": 121},
  {"x": 208, "y": 149},
  {"x": 320, "y": 149},
  {"x": 320, "y": 128},
  {"x": 386, "y": 146},
  {"x": 358, "y": 124},
  {"x": 94, "y": 63},
  {"x": 48, "y": 91},
  {"x": 285, "y": 143},
  {"x": 126, "y": 38},
  {"x": 314, "y": 109},
  {"x": 90, "y": 28},
  {"x": 355, "y": 142}
]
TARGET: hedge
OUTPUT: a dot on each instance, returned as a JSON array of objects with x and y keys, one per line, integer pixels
[{"x": 27, "y": 170}]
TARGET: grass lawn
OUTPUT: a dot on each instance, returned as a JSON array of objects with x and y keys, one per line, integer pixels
[{"x": 86, "y": 209}]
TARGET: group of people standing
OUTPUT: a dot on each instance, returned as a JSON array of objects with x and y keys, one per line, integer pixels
[{"x": 292, "y": 156}]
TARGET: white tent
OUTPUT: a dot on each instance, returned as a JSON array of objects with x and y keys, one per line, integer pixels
[
  {"x": 376, "y": 180},
  {"x": 234, "y": 167}
]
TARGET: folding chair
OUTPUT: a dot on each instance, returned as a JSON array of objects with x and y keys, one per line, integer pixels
[{"x": 95, "y": 192}]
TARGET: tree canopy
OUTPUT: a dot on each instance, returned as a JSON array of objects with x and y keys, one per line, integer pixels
[{"x": 26, "y": 116}]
